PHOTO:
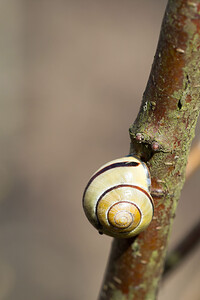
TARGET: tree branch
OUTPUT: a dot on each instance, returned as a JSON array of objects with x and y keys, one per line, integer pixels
[
  {"x": 161, "y": 136},
  {"x": 183, "y": 249}
]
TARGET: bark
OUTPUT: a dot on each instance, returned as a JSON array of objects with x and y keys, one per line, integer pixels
[{"x": 161, "y": 136}]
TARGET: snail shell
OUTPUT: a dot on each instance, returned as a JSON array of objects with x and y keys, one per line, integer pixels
[{"x": 117, "y": 198}]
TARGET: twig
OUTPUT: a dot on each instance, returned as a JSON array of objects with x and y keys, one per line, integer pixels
[
  {"x": 166, "y": 124},
  {"x": 184, "y": 248},
  {"x": 191, "y": 240}
]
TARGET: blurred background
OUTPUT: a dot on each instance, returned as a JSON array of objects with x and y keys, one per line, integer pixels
[{"x": 72, "y": 78}]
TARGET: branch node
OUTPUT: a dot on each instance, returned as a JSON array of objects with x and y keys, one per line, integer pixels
[
  {"x": 155, "y": 146},
  {"x": 139, "y": 137}
]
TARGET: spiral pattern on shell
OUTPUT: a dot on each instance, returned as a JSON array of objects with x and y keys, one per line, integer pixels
[{"x": 117, "y": 199}]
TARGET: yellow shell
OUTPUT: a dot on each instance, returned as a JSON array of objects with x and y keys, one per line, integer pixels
[{"x": 117, "y": 200}]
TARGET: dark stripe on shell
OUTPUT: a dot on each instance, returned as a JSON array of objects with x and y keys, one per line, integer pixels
[{"x": 109, "y": 167}]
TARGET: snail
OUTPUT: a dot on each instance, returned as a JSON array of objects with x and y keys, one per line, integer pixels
[{"x": 117, "y": 198}]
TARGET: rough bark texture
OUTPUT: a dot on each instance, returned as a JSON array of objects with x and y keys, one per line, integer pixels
[{"x": 161, "y": 136}]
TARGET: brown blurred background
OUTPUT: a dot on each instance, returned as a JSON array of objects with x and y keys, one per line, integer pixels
[{"x": 72, "y": 78}]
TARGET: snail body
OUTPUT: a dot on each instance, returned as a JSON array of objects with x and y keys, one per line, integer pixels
[{"x": 117, "y": 198}]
